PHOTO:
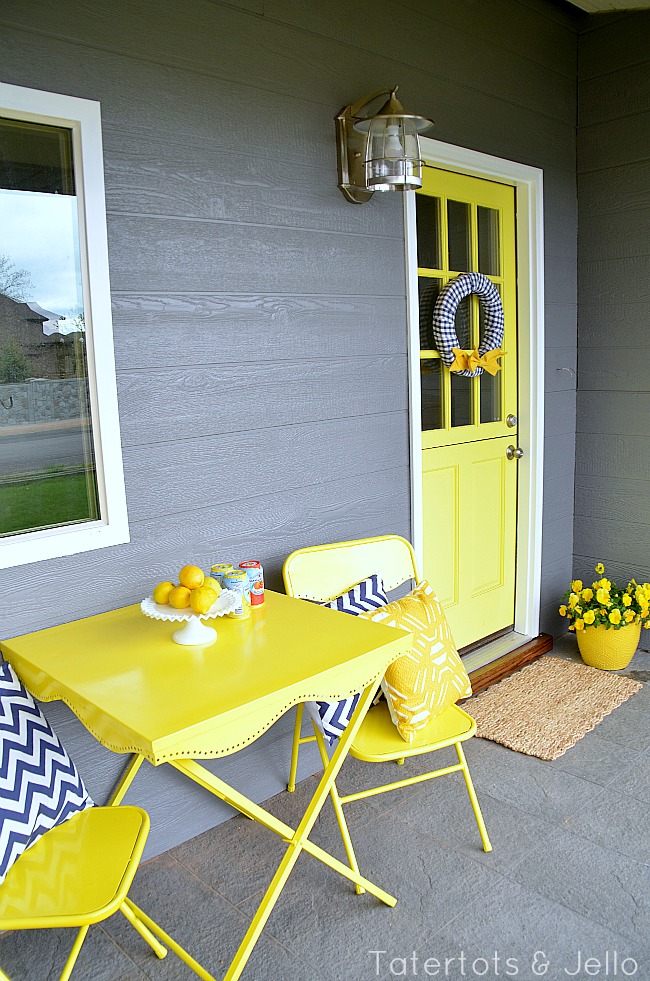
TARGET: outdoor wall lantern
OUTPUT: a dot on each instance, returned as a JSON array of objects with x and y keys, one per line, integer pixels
[{"x": 380, "y": 152}]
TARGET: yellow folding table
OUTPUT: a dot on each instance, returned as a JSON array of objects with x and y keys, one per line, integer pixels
[{"x": 138, "y": 692}]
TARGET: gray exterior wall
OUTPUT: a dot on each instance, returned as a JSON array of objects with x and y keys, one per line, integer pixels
[
  {"x": 260, "y": 319},
  {"x": 612, "y": 502}
]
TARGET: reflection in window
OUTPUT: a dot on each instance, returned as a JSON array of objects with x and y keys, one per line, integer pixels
[
  {"x": 488, "y": 241},
  {"x": 460, "y": 235},
  {"x": 461, "y": 400},
  {"x": 47, "y": 467},
  {"x": 463, "y": 323},
  {"x": 429, "y": 290},
  {"x": 429, "y": 231},
  {"x": 431, "y": 387}
]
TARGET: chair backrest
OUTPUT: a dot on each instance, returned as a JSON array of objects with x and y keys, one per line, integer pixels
[{"x": 321, "y": 572}]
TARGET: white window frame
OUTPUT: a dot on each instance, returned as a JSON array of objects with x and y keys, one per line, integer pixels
[
  {"x": 82, "y": 118},
  {"x": 528, "y": 184}
]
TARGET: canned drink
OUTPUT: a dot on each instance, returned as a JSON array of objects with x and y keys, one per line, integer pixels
[
  {"x": 237, "y": 582},
  {"x": 256, "y": 577},
  {"x": 219, "y": 570}
]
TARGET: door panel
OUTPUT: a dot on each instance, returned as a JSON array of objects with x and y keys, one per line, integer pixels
[
  {"x": 465, "y": 224},
  {"x": 470, "y": 490}
]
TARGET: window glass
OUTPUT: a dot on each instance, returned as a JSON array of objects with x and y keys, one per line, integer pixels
[
  {"x": 47, "y": 469},
  {"x": 487, "y": 220},
  {"x": 428, "y": 225},
  {"x": 460, "y": 235},
  {"x": 429, "y": 290},
  {"x": 431, "y": 386}
]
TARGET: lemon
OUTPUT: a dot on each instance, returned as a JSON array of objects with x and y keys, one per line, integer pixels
[
  {"x": 191, "y": 576},
  {"x": 213, "y": 584},
  {"x": 179, "y": 597},
  {"x": 202, "y": 598},
  {"x": 162, "y": 591}
]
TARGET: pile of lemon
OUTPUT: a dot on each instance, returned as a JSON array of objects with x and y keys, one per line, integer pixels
[{"x": 194, "y": 591}]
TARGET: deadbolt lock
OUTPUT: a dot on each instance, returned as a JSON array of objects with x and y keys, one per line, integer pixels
[
  {"x": 511, "y": 420},
  {"x": 514, "y": 452}
]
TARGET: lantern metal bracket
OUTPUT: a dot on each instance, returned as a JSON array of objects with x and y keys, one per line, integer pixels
[{"x": 351, "y": 149}]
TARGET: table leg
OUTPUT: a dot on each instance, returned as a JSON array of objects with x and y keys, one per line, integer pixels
[{"x": 296, "y": 840}]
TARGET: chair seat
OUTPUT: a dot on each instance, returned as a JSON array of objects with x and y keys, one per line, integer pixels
[
  {"x": 378, "y": 739},
  {"x": 78, "y": 873}
]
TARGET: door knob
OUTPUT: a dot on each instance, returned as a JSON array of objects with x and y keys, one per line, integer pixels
[
  {"x": 511, "y": 420},
  {"x": 514, "y": 453}
]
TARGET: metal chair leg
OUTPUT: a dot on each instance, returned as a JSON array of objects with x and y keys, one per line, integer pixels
[
  {"x": 146, "y": 934},
  {"x": 74, "y": 953},
  {"x": 171, "y": 943},
  {"x": 487, "y": 847}
]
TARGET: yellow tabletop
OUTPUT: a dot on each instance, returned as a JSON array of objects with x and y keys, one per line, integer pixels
[{"x": 139, "y": 692}]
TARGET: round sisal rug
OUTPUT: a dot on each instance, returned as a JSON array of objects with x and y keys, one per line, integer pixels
[{"x": 548, "y": 706}]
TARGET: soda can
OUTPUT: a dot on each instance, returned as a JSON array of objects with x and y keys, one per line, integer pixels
[
  {"x": 219, "y": 570},
  {"x": 237, "y": 582},
  {"x": 256, "y": 577}
]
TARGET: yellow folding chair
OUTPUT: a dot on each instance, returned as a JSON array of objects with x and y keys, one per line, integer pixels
[
  {"x": 65, "y": 862},
  {"x": 79, "y": 873},
  {"x": 322, "y": 572}
]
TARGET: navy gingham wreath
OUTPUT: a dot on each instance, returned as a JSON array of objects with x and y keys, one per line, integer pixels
[{"x": 444, "y": 314}]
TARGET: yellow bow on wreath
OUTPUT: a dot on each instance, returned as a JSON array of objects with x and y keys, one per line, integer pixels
[{"x": 471, "y": 360}]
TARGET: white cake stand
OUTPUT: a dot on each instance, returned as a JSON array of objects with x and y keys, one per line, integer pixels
[{"x": 194, "y": 633}]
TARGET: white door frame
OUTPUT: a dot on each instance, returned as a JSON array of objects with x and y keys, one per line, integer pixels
[{"x": 528, "y": 185}]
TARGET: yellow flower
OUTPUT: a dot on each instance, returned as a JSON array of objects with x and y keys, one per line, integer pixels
[
  {"x": 573, "y": 599},
  {"x": 589, "y": 616},
  {"x": 615, "y": 616},
  {"x": 587, "y": 594},
  {"x": 580, "y": 624},
  {"x": 605, "y": 583},
  {"x": 629, "y": 616},
  {"x": 576, "y": 585},
  {"x": 627, "y": 599},
  {"x": 602, "y": 595},
  {"x": 562, "y": 610},
  {"x": 646, "y": 625},
  {"x": 600, "y": 568}
]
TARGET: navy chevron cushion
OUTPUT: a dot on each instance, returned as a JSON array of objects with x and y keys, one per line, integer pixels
[
  {"x": 39, "y": 783},
  {"x": 367, "y": 596}
]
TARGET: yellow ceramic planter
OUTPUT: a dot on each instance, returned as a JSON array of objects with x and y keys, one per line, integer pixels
[{"x": 610, "y": 649}]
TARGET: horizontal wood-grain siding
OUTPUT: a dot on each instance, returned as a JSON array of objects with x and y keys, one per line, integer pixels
[
  {"x": 246, "y": 327},
  {"x": 259, "y": 318},
  {"x": 612, "y": 499}
]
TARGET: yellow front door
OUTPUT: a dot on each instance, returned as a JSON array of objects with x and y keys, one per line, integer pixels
[{"x": 465, "y": 224}]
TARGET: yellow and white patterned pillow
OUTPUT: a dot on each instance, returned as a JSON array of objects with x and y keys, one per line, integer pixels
[{"x": 423, "y": 683}]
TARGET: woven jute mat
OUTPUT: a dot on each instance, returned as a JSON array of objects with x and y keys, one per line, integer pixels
[{"x": 548, "y": 706}]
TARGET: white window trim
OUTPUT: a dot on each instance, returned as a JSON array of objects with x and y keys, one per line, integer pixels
[
  {"x": 82, "y": 117},
  {"x": 528, "y": 184}
]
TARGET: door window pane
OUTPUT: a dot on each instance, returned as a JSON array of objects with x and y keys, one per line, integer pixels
[
  {"x": 463, "y": 323},
  {"x": 431, "y": 387},
  {"x": 488, "y": 241},
  {"x": 461, "y": 400},
  {"x": 428, "y": 290},
  {"x": 458, "y": 219},
  {"x": 490, "y": 385},
  {"x": 428, "y": 232},
  {"x": 490, "y": 397},
  {"x": 47, "y": 467}
]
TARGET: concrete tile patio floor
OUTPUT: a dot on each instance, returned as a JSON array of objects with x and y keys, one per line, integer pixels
[{"x": 565, "y": 893}]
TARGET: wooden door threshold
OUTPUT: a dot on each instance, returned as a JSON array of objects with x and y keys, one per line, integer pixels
[{"x": 513, "y": 661}]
